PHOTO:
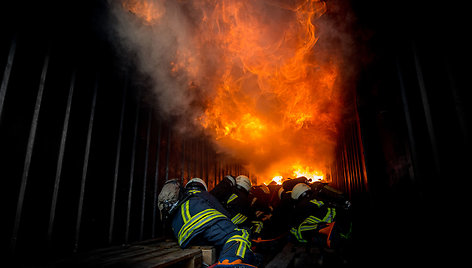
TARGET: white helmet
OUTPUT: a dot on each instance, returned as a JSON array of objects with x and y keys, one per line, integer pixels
[
  {"x": 244, "y": 182},
  {"x": 299, "y": 189},
  {"x": 197, "y": 180},
  {"x": 231, "y": 179}
]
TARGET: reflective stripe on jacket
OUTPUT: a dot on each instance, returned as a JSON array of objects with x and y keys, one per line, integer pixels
[{"x": 312, "y": 222}]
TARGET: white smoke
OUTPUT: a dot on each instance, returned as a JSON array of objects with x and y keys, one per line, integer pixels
[{"x": 182, "y": 73}]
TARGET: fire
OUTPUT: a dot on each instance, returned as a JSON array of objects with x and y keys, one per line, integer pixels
[
  {"x": 314, "y": 175},
  {"x": 267, "y": 93},
  {"x": 296, "y": 171},
  {"x": 277, "y": 179},
  {"x": 148, "y": 11}
]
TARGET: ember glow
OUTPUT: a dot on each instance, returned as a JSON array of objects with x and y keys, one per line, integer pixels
[{"x": 255, "y": 77}]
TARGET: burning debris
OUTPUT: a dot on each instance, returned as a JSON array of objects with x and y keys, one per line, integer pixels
[{"x": 253, "y": 75}]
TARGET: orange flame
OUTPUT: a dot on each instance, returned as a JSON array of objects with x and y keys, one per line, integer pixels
[
  {"x": 277, "y": 179},
  {"x": 148, "y": 11},
  {"x": 307, "y": 172},
  {"x": 269, "y": 96}
]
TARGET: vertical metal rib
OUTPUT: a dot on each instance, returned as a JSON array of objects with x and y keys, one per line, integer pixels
[
  {"x": 361, "y": 151},
  {"x": 427, "y": 112},
  {"x": 85, "y": 169},
  {"x": 409, "y": 124},
  {"x": 29, "y": 153},
  {"x": 169, "y": 133},
  {"x": 458, "y": 104},
  {"x": 131, "y": 173},
  {"x": 6, "y": 74},
  {"x": 156, "y": 183},
  {"x": 143, "y": 203},
  {"x": 60, "y": 158},
  {"x": 117, "y": 164}
]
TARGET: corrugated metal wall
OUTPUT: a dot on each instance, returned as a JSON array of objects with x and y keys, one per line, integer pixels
[
  {"x": 84, "y": 151},
  {"x": 348, "y": 172}
]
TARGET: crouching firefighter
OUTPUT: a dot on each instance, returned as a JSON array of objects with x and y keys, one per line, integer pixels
[
  {"x": 315, "y": 221},
  {"x": 197, "y": 218}
]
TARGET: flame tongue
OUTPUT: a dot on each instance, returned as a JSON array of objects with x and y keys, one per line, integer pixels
[{"x": 269, "y": 97}]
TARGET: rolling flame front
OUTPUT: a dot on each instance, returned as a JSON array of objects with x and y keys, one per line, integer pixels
[{"x": 270, "y": 97}]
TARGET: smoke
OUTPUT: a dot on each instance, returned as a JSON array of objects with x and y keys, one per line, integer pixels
[
  {"x": 155, "y": 44},
  {"x": 267, "y": 94}
]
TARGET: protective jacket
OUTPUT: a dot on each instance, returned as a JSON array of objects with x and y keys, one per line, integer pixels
[
  {"x": 282, "y": 215},
  {"x": 239, "y": 207},
  {"x": 261, "y": 210},
  {"x": 223, "y": 190},
  {"x": 201, "y": 220},
  {"x": 311, "y": 215}
]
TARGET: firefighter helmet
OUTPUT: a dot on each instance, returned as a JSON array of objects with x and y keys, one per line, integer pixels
[
  {"x": 196, "y": 182},
  {"x": 279, "y": 193},
  {"x": 169, "y": 195},
  {"x": 299, "y": 189},
  {"x": 231, "y": 179},
  {"x": 244, "y": 182},
  {"x": 264, "y": 189}
]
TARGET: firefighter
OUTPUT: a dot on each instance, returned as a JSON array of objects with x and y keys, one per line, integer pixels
[
  {"x": 223, "y": 190},
  {"x": 239, "y": 203},
  {"x": 261, "y": 209},
  {"x": 334, "y": 197},
  {"x": 197, "y": 218},
  {"x": 290, "y": 183},
  {"x": 282, "y": 213},
  {"x": 315, "y": 221}
]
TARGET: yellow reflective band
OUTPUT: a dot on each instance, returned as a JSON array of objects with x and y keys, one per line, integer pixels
[
  {"x": 239, "y": 218},
  {"x": 241, "y": 250},
  {"x": 196, "y": 222},
  {"x": 185, "y": 212},
  {"x": 189, "y": 232},
  {"x": 193, "y": 191},
  {"x": 236, "y": 218},
  {"x": 243, "y": 243},
  {"x": 258, "y": 226},
  {"x": 316, "y": 202},
  {"x": 231, "y": 198},
  {"x": 311, "y": 219},
  {"x": 245, "y": 234},
  {"x": 195, "y": 219},
  {"x": 297, "y": 235},
  {"x": 330, "y": 215},
  {"x": 308, "y": 227}
]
